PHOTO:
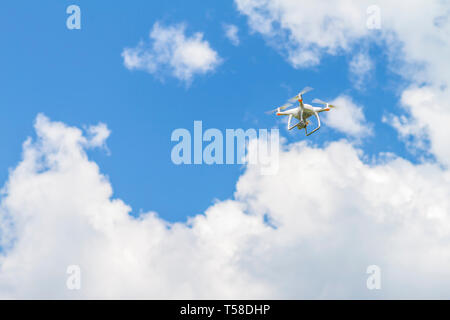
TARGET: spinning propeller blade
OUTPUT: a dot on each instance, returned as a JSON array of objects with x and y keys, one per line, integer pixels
[
  {"x": 291, "y": 101},
  {"x": 305, "y": 90},
  {"x": 323, "y": 102},
  {"x": 316, "y": 100},
  {"x": 284, "y": 106}
]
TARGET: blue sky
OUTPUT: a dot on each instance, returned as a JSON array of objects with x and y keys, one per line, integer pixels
[{"x": 78, "y": 77}]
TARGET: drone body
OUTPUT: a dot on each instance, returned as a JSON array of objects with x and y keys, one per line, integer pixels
[{"x": 302, "y": 112}]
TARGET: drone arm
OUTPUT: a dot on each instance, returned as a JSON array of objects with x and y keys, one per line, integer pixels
[
  {"x": 318, "y": 124},
  {"x": 301, "y": 103}
]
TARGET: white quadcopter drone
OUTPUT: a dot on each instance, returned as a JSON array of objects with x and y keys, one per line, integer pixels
[{"x": 302, "y": 112}]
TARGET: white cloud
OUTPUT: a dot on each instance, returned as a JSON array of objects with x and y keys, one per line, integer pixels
[
  {"x": 172, "y": 52},
  {"x": 424, "y": 61},
  {"x": 425, "y": 125},
  {"x": 348, "y": 118},
  {"x": 231, "y": 32},
  {"x": 307, "y": 29},
  {"x": 333, "y": 215},
  {"x": 310, "y": 29},
  {"x": 360, "y": 67},
  {"x": 98, "y": 135}
]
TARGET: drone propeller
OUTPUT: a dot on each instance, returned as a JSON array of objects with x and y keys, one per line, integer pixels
[
  {"x": 305, "y": 90},
  {"x": 284, "y": 106},
  {"x": 291, "y": 101},
  {"x": 323, "y": 102}
]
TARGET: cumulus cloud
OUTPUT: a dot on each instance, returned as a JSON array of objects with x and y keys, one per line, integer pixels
[
  {"x": 171, "y": 52},
  {"x": 330, "y": 216},
  {"x": 305, "y": 29},
  {"x": 424, "y": 126},
  {"x": 348, "y": 118},
  {"x": 231, "y": 32},
  {"x": 423, "y": 60},
  {"x": 308, "y": 30},
  {"x": 97, "y": 135}
]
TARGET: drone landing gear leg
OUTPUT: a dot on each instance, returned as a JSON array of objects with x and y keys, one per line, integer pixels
[
  {"x": 318, "y": 125},
  {"x": 289, "y": 123}
]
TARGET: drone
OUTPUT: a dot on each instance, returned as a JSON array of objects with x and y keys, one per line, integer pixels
[{"x": 302, "y": 112}]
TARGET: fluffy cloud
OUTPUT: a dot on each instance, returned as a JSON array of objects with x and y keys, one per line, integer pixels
[
  {"x": 425, "y": 125},
  {"x": 172, "y": 52},
  {"x": 98, "y": 135},
  {"x": 231, "y": 32},
  {"x": 330, "y": 216},
  {"x": 423, "y": 60},
  {"x": 307, "y": 29},
  {"x": 310, "y": 29},
  {"x": 348, "y": 118}
]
